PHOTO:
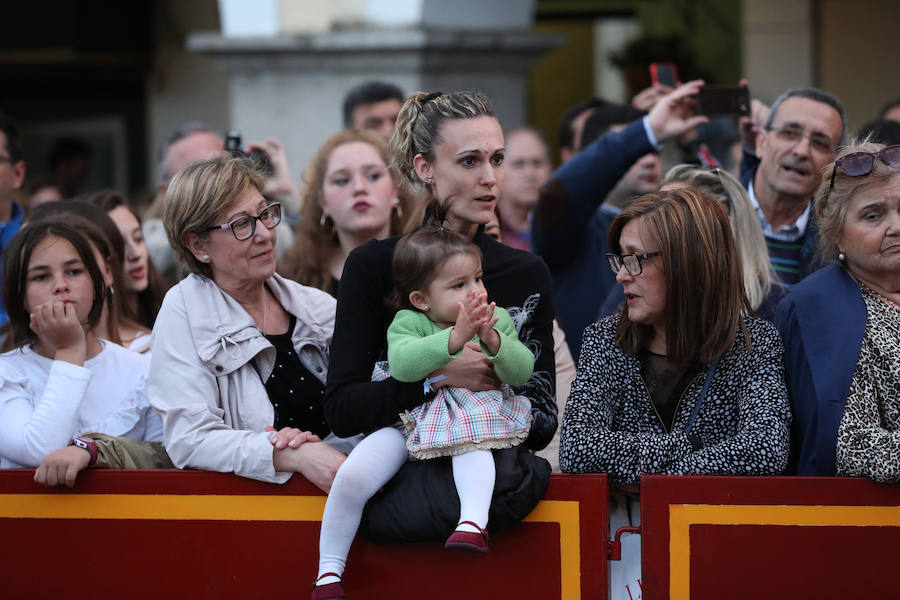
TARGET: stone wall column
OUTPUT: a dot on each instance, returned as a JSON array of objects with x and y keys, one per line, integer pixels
[{"x": 291, "y": 86}]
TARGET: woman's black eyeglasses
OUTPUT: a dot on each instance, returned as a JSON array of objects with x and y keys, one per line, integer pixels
[
  {"x": 862, "y": 163},
  {"x": 633, "y": 263},
  {"x": 244, "y": 227}
]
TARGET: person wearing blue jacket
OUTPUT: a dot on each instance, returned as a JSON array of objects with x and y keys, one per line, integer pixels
[
  {"x": 840, "y": 325},
  {"x": 569, "y": 230},
  {"x": 822, "y": 321},
  {"x": 12, "y": 175}
]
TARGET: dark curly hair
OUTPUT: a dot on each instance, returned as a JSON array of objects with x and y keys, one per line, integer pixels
[{"x": 419, "y": 257}]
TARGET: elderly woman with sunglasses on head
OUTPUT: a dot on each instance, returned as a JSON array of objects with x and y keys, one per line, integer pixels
[
  {"x": 841, "y": 325},
  {"x": 239, "y": 353}
]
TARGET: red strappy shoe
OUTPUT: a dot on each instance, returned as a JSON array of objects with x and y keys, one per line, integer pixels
[
  {"x": 468, "y": 541},
  {"x": 329, "y": 591}
]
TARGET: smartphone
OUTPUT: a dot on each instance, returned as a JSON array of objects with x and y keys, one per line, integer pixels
[
  {"x": 723, "y": 100},
  {"x": 258, "y": 158},
  {"x": 233, "y": 142},
  {"x": 664, "y": 73}
]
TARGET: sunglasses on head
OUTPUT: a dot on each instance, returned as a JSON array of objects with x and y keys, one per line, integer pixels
[{"x": 862, "y": 163}]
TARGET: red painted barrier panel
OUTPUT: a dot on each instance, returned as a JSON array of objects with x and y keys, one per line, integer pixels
[
  {"x": 192, "y": 534},
  {"x": 768, "y": 537}
]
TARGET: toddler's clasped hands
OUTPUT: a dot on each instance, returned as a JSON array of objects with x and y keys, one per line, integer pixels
[{"x": 476, "y": 317}]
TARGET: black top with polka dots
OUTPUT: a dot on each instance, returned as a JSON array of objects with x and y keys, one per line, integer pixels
[{"x": 295, "y": 393}]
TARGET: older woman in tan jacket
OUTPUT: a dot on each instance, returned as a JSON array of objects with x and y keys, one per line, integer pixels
[{"x": 240, "y": 353}]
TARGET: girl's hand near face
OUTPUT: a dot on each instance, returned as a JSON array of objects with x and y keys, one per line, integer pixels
[
  {"x": 467, "y": 322},
  {"x": 486, "y": 332},
  {"x": 59, "y": 331}
]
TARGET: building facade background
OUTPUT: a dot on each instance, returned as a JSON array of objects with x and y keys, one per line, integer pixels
[{"x": 123, "y": 75}]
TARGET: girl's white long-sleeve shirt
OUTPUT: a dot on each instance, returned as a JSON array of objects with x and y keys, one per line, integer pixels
[{"x": 44, "y": 403}]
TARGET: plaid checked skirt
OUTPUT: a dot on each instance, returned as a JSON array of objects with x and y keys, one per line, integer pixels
[{"x": 458, "y": 420}]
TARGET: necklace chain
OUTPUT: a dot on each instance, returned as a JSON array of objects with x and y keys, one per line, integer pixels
[
  {"x": 869, "y": 289},
  {"x": 888, "y": 301}
]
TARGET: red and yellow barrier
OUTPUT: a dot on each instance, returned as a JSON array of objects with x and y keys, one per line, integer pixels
[
  {"x": 190, "y": 534},
  {"x": 768, "y": 537},
  {"x": 152, "y": 534}
]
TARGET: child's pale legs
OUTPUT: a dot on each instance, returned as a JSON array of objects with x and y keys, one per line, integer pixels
[
  {"x": 474, "y": 474},
  {"x": 372, "y": 464},
  {"x": 369, "y": 466}
]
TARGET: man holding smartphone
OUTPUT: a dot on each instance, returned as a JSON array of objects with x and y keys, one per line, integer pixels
[
  {"x": 567, "y": 230},
  {"x": 799, "y": 137}
]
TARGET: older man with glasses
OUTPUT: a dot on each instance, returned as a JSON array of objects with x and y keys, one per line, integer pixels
[{"x": 799, "y": 138}]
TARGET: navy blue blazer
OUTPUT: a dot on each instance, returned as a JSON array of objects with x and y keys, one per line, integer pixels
[
  {"x": 822, "y": 321},
  {"x": 569, "y": 229}
]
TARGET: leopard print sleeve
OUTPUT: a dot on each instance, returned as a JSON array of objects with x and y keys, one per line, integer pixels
[{"x": 868, "y": 441}]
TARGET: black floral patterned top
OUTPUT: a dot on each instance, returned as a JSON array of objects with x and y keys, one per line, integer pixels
[{"x": 611, "y": 426}]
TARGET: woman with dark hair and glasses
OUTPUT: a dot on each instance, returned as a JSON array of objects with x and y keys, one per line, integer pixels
[
  {"x": 239, "y": 353},
  {"x": 841, "y": 325},
  {"x": 683, "y": 381},
  {"x": 761, "y": 284}
]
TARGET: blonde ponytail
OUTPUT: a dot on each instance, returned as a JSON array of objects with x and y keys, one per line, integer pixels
[{"x": 402, "y": 144}]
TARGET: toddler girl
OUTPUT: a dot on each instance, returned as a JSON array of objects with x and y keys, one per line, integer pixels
[{"x": 437, "y": 274}]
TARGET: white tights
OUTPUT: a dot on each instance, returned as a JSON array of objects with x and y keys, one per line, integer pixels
[
  {"x": 474, "y": 473},
  {"x": 370, "y": 466}
]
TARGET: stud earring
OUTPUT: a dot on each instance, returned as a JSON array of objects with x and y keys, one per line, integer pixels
[
  {"x": 842, "y": 258},
  {"x": 205, "y": 258}
]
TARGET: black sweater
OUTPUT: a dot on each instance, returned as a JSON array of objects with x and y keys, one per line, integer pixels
[{"x": 516, "y": 280}]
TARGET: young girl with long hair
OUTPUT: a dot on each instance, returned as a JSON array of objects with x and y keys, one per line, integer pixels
[
  {"x": 118, "y": 323},
  {"x": 144, "y": 288},
  {"x": 61, "y": 380},
  {"x": 349, "y": 197}
]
